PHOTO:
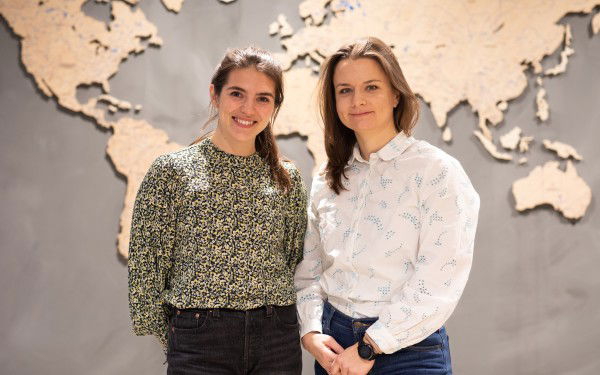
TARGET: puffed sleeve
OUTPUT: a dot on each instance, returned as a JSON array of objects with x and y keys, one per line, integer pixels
[
  {"x": 150, "y": 248},
  {"x": 449, "y": 209}
]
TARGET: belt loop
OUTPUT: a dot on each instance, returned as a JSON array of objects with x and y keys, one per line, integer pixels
[{"x": 269, "y": 311}]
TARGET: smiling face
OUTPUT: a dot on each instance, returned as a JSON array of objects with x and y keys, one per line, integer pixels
[
  {"x": 364, "y": 97},
  {"x": 245, "y": 105}
]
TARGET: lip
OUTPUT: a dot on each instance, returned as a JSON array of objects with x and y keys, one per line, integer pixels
[
  {"x": 361, "y": 114},
  {"x": 245, "y": 125}
]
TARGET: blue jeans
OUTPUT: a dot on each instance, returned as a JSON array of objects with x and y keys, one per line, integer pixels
[
  {"x": 265, "y": 340},
  {"x": 429, "y": 357}
]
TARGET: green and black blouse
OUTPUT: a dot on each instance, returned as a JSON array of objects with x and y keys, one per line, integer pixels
[{"x": 212, "y": 230}]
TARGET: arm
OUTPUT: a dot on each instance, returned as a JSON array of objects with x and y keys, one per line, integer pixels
[
  {"x": 310, "y": 295},
  {"x": 448, "y": 218},
  {"x": 296, "y": 219},
  {"x": 150, "y": 246}
]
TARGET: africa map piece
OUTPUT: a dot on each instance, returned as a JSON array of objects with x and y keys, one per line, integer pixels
[
  {"x": 483, "y": 64},
  {"x": 564, "y": 191},
  {"x": 563, "y": 150},
  {"x": 129, "y": 151},
  {"x": 87, "y": 52}
]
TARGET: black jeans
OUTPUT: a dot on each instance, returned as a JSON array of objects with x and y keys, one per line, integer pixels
[{"x": 221, "y": 341}]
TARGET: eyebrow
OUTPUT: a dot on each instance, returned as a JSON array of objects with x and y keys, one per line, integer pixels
[
  {"x": 236, "y": 88},
  {"x": 365, "y": 82}
]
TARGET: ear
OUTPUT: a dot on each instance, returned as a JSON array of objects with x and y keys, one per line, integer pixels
[
  {"x": 397, "y": 97},
  {"x": 214, "y": 98}
]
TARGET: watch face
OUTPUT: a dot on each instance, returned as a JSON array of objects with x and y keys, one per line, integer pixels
[{"x": 365, "y": 351}]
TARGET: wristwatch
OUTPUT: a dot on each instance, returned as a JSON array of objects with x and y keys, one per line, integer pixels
[{"x": 366, "y": 351}]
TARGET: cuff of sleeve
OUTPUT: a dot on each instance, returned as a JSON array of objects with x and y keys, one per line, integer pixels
[
  {"x": 384, "y": 339},
  {"x": 310, "y": 326}
]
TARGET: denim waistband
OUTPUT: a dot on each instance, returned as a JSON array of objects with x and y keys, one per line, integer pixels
[{"x": 266, "y": 310}]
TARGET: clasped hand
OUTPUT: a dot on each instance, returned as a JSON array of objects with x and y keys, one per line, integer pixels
[{"x": 333, "y": 358}]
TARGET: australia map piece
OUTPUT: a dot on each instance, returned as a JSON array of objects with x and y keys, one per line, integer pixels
[
  {"x": 548, "y": 185},
  {"x": 481, "y": 65},
  {"x": 563, "y": 150}
]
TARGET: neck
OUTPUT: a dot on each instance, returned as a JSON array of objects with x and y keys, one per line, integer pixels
[
  {"x": 232, "y": 146},
  {"x": 369, "y": 142}
]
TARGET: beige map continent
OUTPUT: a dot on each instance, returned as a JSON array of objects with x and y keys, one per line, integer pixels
[
  {"x": 445, "y": 62},
  {"x": 548, "y": 185}
]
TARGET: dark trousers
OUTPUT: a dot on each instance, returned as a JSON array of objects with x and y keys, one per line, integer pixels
[
  {"x": 431, "y": 356},
  {"x": 221, "y": 341}
]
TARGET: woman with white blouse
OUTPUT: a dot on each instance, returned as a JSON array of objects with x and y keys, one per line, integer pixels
[{"x": 391, "y": 229}]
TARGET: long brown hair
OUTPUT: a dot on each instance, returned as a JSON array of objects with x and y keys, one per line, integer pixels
[
  {"x": 263, "y": 61},
  {"x": 340, "y": 140}
]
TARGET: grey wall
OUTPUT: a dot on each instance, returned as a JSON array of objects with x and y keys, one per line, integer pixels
[{"x": 531, "y": 305}]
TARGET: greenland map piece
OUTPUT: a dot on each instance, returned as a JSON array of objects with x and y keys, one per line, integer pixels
[
  {"x": 173, "y": 5},
  {"x": 444, "y": 62},
  {"x": 129, "y": 151},
  {"x": 511, "y": 139},
  {"x": 563, "y": 150},
  {"x": 62, "y": 48},
  {"x": 564, "y": 191}
]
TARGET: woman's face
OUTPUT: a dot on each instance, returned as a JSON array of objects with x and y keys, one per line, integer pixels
[
  {"x": 245, "y": 105},
  {"x": 364, "y": 97}
]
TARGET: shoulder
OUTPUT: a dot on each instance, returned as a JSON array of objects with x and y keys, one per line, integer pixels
[
  {"x": 295, "y": 174},
  {"x": 438, "y": 168},
  {"x": 431, "y": 159}
]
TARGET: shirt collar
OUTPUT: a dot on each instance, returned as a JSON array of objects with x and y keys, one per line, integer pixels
[{"x": 394, "y": 148}]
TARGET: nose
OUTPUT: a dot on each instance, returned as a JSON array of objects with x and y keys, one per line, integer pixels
[
  {"x": 247, "y": 107},
  {"x": 358, "y": 99}
]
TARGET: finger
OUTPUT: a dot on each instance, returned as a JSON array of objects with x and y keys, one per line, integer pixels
[{"x": 333, "y": 345}]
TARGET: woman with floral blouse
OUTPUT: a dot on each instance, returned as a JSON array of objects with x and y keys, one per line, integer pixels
[
  {"x": 391, "y": 227},
  {"x": 217, "y": 232}
]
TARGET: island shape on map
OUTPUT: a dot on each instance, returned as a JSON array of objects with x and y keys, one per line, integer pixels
[{"x": 565, "y": 191}]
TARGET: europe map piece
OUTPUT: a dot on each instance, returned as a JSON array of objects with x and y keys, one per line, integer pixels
[{"x": 548, "y": 185}]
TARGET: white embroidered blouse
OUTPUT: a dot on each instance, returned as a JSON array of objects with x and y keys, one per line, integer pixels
[{"x": 397, "y": 244}]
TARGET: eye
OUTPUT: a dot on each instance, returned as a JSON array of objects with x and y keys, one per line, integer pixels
[
  {"x": 236, "y": 94},
  {"x": 372, "y": 87},
  {"x": 264, "y": 99},
  {"x": 344, "y": 90}
]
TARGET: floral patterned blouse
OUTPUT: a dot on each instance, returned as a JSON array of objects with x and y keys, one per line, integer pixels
[{"x": 212, "y": 230}]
